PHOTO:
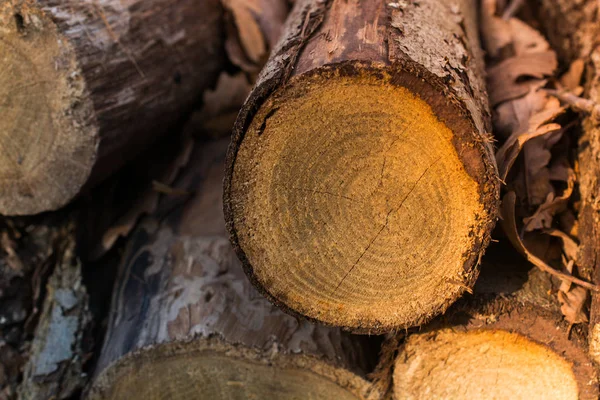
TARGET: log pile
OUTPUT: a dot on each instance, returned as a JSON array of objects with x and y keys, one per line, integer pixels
[{"x": 257, "y": 199}]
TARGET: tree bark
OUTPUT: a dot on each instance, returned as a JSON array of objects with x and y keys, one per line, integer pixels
[
  {"x": 507, "y": 341},
  {"x": 87, "y": 85},
  {"x": 361, "y": 185},
  {"x": 574, "y": 31},
  {"x": 186, "y": 322},
  {"x": 58, "y": 352}
]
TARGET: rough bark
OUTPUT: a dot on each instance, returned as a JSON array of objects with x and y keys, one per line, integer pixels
[
  {"x": 87, "y": 85},
  {"x": 574, "y": 31},
  {"x": 55, "y": 366},
  {"x": 361, "y": 185},
  {"x": 509, "y": 340},
  {"x": 43, "y": 309},
  {"x": 185, "y": 320}
]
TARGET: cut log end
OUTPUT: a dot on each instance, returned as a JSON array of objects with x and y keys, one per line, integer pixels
[
  {"x": 490, "y": 363},
  {"x": 222, "y": 371},
  {"x": 350, "y": 203},
  {"x": 48, "y": 140}
]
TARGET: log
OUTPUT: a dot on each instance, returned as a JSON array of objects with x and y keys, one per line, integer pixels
[
  {"x": 574, "y": 31},
  {"x": 361, "y": 185},
  {"x": 88, "y": 85},
  {"x": 507, "y": 342},
  {"x": 185, "y": 322}
]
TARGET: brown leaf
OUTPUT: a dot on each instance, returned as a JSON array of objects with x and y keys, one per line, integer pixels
[
  {"x": 544, "y": 215},
  {"x": 538, "y": 125},
  {"x": 572, "y": 305},
  {"x": 537, "y": 177},
  {"x": 248, "y": 30},
  {"x": 525, "y": 39},
  {"x": 509, "y": 225},
  {"x": 512, "y": 116},
  {"x": 496, "y": 32},
  {"x": 568, "y": 223},
  {"x": 570, "y": 247},
  {"x": 571, "y": 79},
  {"x": 505, "y": 80},
  {"x": 146, "y": 203}
]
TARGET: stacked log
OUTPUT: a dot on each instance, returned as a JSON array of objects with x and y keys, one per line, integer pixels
[
  {"x": 361, "y": 185},
  {"x": 508, "y": 341},
  {"x": 86, "y": 86}
]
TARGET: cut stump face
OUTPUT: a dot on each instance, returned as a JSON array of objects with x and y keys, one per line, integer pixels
[
  {"x": 48, "y": 138},
  {"x": 352, "y": 205},
  {"x": 218, "y": 376},
  {"x": 481, "y": 364}
]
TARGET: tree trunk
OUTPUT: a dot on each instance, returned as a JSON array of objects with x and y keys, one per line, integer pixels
[
  {"x": 87, "y": 85},
  {"x": 509, "y": 341},
  {"x": 186, "y": 322},
  {"x": 574, "y": 31},
  {"x": 361, "y": 185}
]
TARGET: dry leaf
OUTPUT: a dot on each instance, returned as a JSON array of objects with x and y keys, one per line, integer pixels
[
  {"x": 544, "y": 215},
  {"x": 570, "y": 247},
  {"x": 496, "y": 32},
  {"x": 249, "y": 33},
  {"x": 509, "y": 225},
  {"x": 511, "y": 116},
  {"x": 525, "y": 39},
  {"x": 568, "y": 223},
  {"x": 538, "y": 126},
  {"x": 572, "y": 305},
  {"x": 536, "y": 157},
  {"x": 505, "y": 80},
  {"x": 570, "y": 80},
  {"x": 146, "y": 203}
]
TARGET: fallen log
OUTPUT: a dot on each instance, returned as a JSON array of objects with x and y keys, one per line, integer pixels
[
  {"x": 509, "y": 341},
  {"x": 361, "y": 185},
  {"x": 86, "y": 86},
  {"x": 185, "y": 322},
  {"x": 574, "y": 31}
]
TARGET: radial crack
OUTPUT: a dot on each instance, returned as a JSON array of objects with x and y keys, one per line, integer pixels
[{"x": 387, "y": 217}]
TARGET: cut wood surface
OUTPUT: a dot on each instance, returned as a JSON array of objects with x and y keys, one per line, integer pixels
[
  {"x": 87, "y": 85},
  {"x": 574, "y": 30},
  {"x": 507, "y": 342},
  {"x": 361, "y": 185},
  {"x": 186, "y": 323}
]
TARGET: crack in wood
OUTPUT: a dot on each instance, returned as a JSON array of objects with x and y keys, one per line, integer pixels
[{"x": 384, "y": 225}]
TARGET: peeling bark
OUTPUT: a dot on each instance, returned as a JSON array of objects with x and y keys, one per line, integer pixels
[{"x": 55, "y": 366}]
